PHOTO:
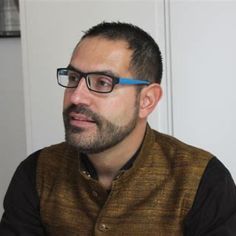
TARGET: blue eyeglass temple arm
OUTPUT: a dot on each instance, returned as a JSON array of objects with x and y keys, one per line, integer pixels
[
  {"x": 132, "y": 81},
  {"x": 64, "y": 71}
]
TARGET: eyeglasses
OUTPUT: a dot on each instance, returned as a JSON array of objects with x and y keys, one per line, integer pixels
[{"x": 99, "y": 82}]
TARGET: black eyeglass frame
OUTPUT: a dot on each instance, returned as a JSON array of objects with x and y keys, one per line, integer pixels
[{"x": 115, "y": 79}]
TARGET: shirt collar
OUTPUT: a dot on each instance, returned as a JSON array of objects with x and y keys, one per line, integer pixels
[{"x": 87, "y": 166}]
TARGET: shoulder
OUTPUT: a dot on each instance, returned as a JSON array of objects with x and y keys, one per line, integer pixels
[
  {"x": 216, "y": 181},
  {"x": 214, "y": 206},
  {"x": 57, "y": 154},
  {"x": 22, "y": 187},
  {"x": 55, "y": 163},
  {"x": 27, "y": 168},
  {"x": 29, "y": 165},
  {"x": 179, "y": 152},
  {"x": 21, "y": 202},
  {"x": 58, "y": 148}
]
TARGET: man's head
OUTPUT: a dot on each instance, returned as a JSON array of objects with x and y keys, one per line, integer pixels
[{"x": 97, "y": 116}]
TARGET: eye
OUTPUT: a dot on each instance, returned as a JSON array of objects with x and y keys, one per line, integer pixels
[
  {"x": 73, "y": 79},
  {"x": 101, "y": 83}
]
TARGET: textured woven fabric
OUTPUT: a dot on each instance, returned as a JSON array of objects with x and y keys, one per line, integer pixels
[{"x": 151, "y": 198}]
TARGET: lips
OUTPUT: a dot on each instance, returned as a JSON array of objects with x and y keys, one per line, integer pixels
[
  {"x": 81, "y": 117},
  {"x": 78, "y": 120}
]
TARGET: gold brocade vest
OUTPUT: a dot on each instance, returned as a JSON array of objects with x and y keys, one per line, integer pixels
[{"x": 153, "y": 197}]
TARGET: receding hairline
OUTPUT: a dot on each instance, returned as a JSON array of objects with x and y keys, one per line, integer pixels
[
  {"x": 102, "y": 37},
  {"x": 126, "y": 46}
]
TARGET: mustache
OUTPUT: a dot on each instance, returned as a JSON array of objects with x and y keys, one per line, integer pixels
[{"x": 82, "y": 109}]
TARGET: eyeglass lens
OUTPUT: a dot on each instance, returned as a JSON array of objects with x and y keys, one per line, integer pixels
[{"x": 95, "y": 82}]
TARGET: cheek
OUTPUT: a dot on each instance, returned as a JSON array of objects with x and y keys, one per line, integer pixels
[{"x": 121, "y": 110}]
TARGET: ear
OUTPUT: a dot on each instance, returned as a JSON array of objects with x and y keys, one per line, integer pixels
[{"x": 149, "y": 98}]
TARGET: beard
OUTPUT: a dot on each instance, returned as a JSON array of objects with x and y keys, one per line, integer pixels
[{"x": 106, "y": 134}]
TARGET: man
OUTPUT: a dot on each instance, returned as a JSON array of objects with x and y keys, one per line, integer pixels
[{"x": 114, "y": 175}]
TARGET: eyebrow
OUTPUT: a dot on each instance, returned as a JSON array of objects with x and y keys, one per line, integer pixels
[
  {"x": 72, "y": 68},
  {"x": 105, "y": 72}
]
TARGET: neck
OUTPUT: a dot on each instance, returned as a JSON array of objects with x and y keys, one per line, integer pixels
[{"x": 109, "y": 162}]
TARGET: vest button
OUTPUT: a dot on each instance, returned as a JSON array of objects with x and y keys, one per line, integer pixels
[
  {"x": 86, "y": 173},
  {"x": 104, "y": 227},
  {"x": 89, "y": 176}
]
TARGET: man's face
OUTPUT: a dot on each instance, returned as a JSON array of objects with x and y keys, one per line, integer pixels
[{"x": 95, "y": 122}]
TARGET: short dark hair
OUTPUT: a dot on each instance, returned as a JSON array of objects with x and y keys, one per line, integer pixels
[{"x": 146, "y": 61}]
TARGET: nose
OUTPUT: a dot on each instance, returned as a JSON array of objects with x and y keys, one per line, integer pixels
[{"x": 81, "y": 94}]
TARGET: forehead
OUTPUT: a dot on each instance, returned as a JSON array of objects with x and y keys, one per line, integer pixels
[{"x": 98, "y": 53}]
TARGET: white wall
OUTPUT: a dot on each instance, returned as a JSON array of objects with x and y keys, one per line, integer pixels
[
  {"x": 203, "y": 47},
  {"x": 12, "y": 120}
]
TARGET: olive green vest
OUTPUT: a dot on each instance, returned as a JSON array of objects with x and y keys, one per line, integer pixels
[{"x": 151, "y": 198}]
